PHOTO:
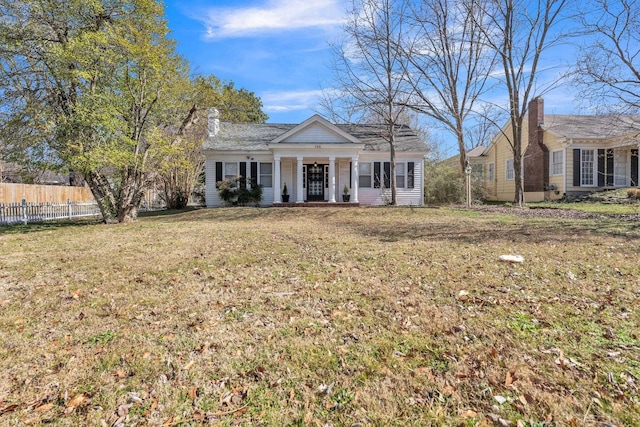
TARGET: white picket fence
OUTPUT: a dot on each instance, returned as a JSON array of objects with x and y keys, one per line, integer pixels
[{"x": 24, "y": 213}]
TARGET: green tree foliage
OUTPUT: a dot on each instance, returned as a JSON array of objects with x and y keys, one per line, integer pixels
[{"x": 95, "y": 87}]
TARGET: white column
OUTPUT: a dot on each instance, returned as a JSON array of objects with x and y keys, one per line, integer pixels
[
  {"x": 332, "y": 179},
  {"x": 299, "y": 185},
  {"x": 354, "y": 179},
  {"x": 637, "y": 184},
  {"x": 276, "y": 179}
]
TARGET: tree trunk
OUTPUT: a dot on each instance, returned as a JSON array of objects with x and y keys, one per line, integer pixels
[
  {"x": 392, "y": 154},
  {"x": 518, "y": 197},
  {"x": 117, "y": 205},
  {"x": 461, "y": 147},
  {"x": 102, "y": 192}
]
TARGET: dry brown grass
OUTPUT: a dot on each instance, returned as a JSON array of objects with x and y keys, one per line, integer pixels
[{"x": 321, "y": 317}]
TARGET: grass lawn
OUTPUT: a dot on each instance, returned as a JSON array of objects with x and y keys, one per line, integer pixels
[{"x": 314, "y": 317}]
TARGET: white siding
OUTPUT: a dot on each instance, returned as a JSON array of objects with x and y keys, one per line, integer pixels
[
  {"x": 405, "y": 196},
  {"x": 316, "y": 134},
  {"x": 288, "y": 176},
  {"x": 211, "y": 194},
  {"x": 342, "y": 172}
]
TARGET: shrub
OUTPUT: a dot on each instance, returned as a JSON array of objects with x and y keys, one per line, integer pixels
[
  {"x": 233, "y": 193},
  {"x": 444, "y": 183},
  {"x": 633, "y": 193}
]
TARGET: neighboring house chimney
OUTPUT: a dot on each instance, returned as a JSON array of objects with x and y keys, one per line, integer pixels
[
  {"x": 213, "y": 123},
  {"x": 536, "y": 156}
]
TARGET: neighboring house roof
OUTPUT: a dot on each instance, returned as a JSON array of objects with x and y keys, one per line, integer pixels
[
  {"x": 477, "y": 151},
  {"x": 591, "y": 127},
  {"x": 258, "y": 136}
]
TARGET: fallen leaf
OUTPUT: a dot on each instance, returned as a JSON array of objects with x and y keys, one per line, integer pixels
[
  {"x": 44, "y": 408},
  {"x": 193, "y": 392},
  {"x": 500, "y": 421},
  {"x": 508, "y": 380},
  {"x": 123, "y": 410},
  {"x": 189, "y": 365},
  {"x": 76, "y": 402},
  {"x": 4, "y": 408},
  {"x": 469, "y": 414},
  {"x": 154, "y": 405}
]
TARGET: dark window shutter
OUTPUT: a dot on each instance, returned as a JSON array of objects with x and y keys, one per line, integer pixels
[
  {"x": 410, "y": 168},
  {"x": 601, "y": 162},
  {"x": 218, "y": 172},
  {"x": 387, "y": 175},
  {"x": 376, "y": 174},
  {"x": 634, "y": 168},
  {"x": 350, "y": 173},
  {"x": 610, "y": 167},
  {"x": 243, "y": 175},
  {"x": 576, "y": 167},
  {"x": 254, "y": 173}
]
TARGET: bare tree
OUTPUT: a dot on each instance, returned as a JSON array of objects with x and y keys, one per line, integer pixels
[
  {"x": 609, "y": 65},
  {"x": 369, "y": 69},
  {"x": 449, "y": 64},
  {"x": 520, "y": 32}
]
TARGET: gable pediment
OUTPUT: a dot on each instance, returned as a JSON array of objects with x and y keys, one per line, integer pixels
[{"x": 316, "y": 130}]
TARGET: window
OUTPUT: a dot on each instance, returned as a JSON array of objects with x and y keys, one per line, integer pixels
[
  {"x": 230, "y": 170},
  {"x": 410, "y": 174},
  {"x": 557, "y": 160},
  {"x": 509, "y": 173},
  {"x": 587, "y": 167},
  {"x": 364, "y": 175},
  {"x": 477, "y": 172},
  {"x": 490, "y": 172},
  {"x": 266, "y": 175},
  {"x": 620, "y": 167},
  {"x": 304, "y": 176},
  {"x": 399, "y": 175}
]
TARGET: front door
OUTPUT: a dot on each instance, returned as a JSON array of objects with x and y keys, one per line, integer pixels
[{"x": 315, "y": 182}]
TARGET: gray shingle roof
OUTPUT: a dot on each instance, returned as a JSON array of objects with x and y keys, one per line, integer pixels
[
  {"x": 591, "y": 127},
  {"x": 252, "y": 136},
  {"x": 477, "y": 151}
]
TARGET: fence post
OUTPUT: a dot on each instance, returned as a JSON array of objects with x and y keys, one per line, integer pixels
[
  {"x": 69, "y": 208},
  {"x": 24, "y": 211}
]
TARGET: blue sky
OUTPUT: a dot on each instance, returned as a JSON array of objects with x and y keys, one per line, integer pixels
[{"x": 280, "y": 49}]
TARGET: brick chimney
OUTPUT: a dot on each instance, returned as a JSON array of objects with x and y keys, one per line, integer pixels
[
  {"x": 536, "y": 156},
  {"x": 213, "y": 122}
]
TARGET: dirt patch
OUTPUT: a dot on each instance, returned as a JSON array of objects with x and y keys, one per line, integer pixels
[{"x": 528, "y": 212}]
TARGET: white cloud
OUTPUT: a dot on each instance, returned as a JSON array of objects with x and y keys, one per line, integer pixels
[
  {"x": 274, "y": 15},
  {"x": 284, "y": 101}
]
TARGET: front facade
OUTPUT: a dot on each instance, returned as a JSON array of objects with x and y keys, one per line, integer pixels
[
  {"x": 315, "y": 160},
  {"x": 564, "y": 156}
]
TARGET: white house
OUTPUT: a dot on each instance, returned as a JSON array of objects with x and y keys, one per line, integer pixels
[{"x": 315, "y": 159}]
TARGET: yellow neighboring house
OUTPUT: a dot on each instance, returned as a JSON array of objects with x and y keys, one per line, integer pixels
[{"x": 564, "y": 156}]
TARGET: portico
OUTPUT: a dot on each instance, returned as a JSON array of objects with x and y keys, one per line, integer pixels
[{"x": 313, "y": 177}]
